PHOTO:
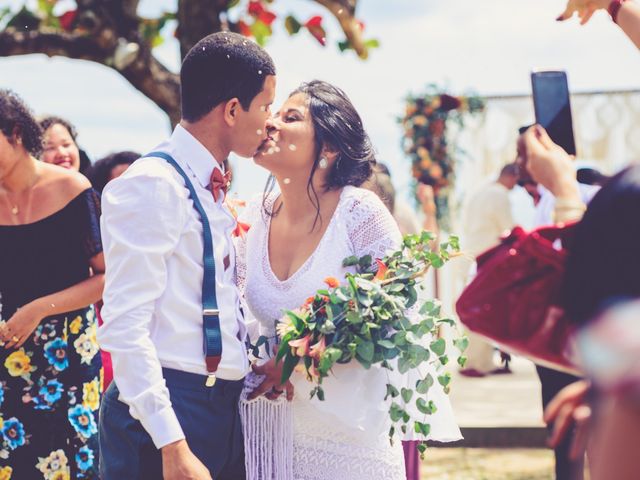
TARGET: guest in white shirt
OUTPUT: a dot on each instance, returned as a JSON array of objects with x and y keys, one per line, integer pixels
[
  {"x": 172, "y": 411},
  {"x": 487, "y": 217}
]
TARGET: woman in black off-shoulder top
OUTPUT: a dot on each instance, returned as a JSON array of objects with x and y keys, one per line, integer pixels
[{"x": 51, "y": 274}]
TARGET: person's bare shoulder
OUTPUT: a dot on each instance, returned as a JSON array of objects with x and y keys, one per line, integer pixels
[{"x": 59, "y": 186}]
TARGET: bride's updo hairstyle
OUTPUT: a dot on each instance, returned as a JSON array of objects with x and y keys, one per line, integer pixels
[{"x": 338, "y": 126}]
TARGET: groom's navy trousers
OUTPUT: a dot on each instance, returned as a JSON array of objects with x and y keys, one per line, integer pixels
[{"x": 209, "y": 417}]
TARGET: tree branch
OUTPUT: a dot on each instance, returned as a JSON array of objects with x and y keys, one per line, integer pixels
[
  {"x": 51, "y": 43},
  {"x": 145, "y": 73},
  {"x": 344, "y": 11},
  {"x": 198, "y": 19}
]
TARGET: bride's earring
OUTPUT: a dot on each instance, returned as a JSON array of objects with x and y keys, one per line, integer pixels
[
  {"x": 287, "y": 181},
  {"x": 323, "y": 163}
]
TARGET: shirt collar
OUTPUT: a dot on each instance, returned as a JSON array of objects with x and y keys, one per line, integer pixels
[{"x": 194, "y": 154}]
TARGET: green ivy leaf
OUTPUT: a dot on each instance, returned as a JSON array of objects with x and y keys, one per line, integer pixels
[
  {"x": 445, "y": 379},
  {"x": 328, "y": 358},
  {"x": 354, "y": 318},
  {"x": 386, "y": 343},
  {"x": 462, "y": 360},
  {"x": 365, "y": 262},
  {"x": 365, "y": 350},
  {"x": 391, "y": 391},
  {"x": 404, "y": 364},
  {"x": 430, "y": 308},
  {"x": 423, "y": 406},
  {"x": 438, "y": 346},
  {"x": 395, "y": 412},
  {"x": 422, "y": 428},
  {"x": 461, "y": 343},
  {"x": 350, "y": 261},
  {"x": 423, "y": 386},
  {"x": 406, "y": 394},
  {"x": 448, "y": 321},
  {"x": 395, "y": 287}
]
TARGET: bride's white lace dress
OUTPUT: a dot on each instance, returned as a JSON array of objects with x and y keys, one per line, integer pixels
[{"x": 343, "y": 437}]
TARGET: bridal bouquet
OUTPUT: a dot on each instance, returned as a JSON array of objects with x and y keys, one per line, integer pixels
[{"x": 374, "y": 318}]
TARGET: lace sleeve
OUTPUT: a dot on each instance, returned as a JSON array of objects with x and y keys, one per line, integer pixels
[
  {"x": 249, "y": 215},
  {"x": 90, "y": 223},
  {"x": 372, "y": 229}
]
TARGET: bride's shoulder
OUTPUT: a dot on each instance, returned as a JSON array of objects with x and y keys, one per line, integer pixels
[
  {"x": 360, "y": 201},
  {"x": 256, "y": 208}
]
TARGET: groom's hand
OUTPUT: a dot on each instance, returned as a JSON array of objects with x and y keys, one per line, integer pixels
[
  {"x": 271, "y": 387},
  {"x": 179, "y": 463}
]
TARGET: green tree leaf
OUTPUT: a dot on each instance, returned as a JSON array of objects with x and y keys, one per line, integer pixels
[{"x": 293, "y": 26}]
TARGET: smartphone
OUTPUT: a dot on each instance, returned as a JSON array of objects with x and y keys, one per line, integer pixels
[{"x": 552, "y": 107}]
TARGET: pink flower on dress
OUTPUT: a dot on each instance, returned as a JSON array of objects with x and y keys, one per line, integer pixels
[{"x": 300, "y": 347}]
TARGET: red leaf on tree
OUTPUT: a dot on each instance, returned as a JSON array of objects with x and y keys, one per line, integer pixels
[
  {"x": 67, "y": 18},
  {"x": 244, "y": 29},
  {"x": 314, "y": 22},
  {"x": 314, "y": 25},
  {"x": 255, "y": 8},
  {"x": 266, "y": 17}
]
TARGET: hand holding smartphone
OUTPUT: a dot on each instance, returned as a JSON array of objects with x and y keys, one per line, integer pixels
[{"x": 552, "y": 107}]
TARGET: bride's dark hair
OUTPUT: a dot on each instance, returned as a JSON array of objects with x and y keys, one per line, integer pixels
[{"x": 337, "y": 128}]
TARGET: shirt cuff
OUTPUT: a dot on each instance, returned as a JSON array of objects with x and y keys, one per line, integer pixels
[{"x": 163, "y": 426}]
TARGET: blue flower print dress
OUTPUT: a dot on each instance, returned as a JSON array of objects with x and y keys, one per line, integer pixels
[{"x": 50, "y": 387}]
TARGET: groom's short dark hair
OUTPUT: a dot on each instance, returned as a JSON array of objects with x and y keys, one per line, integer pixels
[{"x": 220, "y": 67}]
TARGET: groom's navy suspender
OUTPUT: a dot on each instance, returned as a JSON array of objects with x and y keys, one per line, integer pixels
[{"x": 210, "y": 312}]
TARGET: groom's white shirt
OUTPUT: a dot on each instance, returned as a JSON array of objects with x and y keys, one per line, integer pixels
[{"x": 152, "y": 312}]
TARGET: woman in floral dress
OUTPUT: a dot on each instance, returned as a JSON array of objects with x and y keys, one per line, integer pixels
[{"x": 51, "y": 273}]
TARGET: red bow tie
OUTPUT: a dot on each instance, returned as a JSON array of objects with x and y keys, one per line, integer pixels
[{"x": 219, "y": 182}]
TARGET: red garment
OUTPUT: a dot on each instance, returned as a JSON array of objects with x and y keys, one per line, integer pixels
[{"x": 106, "y": 357}]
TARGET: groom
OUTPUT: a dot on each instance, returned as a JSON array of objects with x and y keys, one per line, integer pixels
[{"x": 172, "y": 410}]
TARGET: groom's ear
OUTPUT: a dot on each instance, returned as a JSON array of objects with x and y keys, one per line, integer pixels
[{"x": 230, "y": 111}]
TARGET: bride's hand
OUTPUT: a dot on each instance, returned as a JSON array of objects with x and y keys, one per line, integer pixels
[{"x": 271, "y": 387}]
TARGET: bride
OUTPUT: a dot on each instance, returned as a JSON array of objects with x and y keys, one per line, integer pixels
[{"x": 318, "y": 154}]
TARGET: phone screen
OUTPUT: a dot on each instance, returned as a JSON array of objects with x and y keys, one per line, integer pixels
[{"x": 552, "y": 107}]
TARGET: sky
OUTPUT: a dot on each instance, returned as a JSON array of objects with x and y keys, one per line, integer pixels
[{"x": 488, "y": 47}]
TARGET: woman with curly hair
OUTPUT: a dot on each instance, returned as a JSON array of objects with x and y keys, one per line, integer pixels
[
  {"x": 51, "y": 275},
  {"x": 60, "y": 146}
]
